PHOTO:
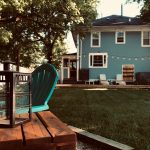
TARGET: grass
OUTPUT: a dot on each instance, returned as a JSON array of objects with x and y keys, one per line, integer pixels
[{"x": 121, "y": 115}]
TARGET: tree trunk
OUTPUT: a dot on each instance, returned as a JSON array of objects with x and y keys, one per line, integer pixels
[
  {"x": 17, "y": 60},
  {"x": 49, "y": 49}
]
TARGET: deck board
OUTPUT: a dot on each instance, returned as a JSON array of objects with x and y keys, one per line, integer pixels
[
  {"x": 35, "y": 131},
  {"x": 10, "y": 138},
  {"x": 60, "y": 132},
  {"x": 11, "y": 134}
]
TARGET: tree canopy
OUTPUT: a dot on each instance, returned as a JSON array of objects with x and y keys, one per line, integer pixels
[{"x": 35, "y": 27}]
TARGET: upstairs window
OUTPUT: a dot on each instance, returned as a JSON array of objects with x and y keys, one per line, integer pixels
[
  {"x": 120, "y": 37},
  {"x": 146, "y": 39},
  {"x": 98, "y": 60},
  {"x": 95, "y": 39}
]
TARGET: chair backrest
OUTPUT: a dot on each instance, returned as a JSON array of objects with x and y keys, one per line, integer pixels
[
  {"x": 102, "y": 77},
  {"x": 44, "y": 80},
  {"x": 119, "y": 77}
]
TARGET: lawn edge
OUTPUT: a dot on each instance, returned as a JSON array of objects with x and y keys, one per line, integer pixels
[{"x": 100, "y": 139}]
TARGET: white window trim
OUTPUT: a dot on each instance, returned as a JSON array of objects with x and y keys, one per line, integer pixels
[
  {"x": 124, "y": 33},
  {"x": 142, "y": 35},
  {"x": 99, "y": 44},
  {"x": 106, "y": 66}
]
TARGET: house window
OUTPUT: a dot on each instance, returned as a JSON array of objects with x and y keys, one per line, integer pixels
[
  {"x": 146, "y": 39},
  {"x": 98, "y": 60},
  {"x": 120, "y": 37},
  {"x": 65, "y": 63},
  {"x": 95, "y": 39}
]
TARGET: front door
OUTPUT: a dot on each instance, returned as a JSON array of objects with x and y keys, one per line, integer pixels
[{"x": 73, "y": 68}]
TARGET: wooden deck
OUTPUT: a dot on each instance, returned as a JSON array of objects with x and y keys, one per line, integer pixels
[{"x": 45, "y": 132}]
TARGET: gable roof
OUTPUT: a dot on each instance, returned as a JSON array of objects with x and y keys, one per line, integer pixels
[
  {"x": 115, "y": 20},
  {"x": 70, "y": 55}
]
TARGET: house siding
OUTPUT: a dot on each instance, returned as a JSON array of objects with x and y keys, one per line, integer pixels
[{"x": 118, "y": 54}]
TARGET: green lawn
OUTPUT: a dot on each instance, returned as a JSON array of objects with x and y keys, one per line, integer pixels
[{"x": 122, "y": 115}]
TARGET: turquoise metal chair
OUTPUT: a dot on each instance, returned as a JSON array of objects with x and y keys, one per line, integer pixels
[{"x": 44, "y": 80}]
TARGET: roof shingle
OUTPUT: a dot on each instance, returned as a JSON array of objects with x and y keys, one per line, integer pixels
[{"x": 115, "y": 20}]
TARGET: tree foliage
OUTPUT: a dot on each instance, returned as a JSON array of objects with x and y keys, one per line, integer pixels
[{"x": 31, "y": 27}]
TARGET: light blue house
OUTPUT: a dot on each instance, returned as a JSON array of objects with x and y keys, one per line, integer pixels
[{"x": 114, "y": 45}]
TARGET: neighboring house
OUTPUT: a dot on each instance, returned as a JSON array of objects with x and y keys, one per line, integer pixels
[{"x": 114, "y": 45}]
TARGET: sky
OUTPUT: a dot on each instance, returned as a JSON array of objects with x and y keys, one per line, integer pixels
[
  {"x": 110, "y": 7},
  {"x": 113, "y": 7}
]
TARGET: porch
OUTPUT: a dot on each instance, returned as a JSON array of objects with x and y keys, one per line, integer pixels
[{"x": 68, "y": 72}]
